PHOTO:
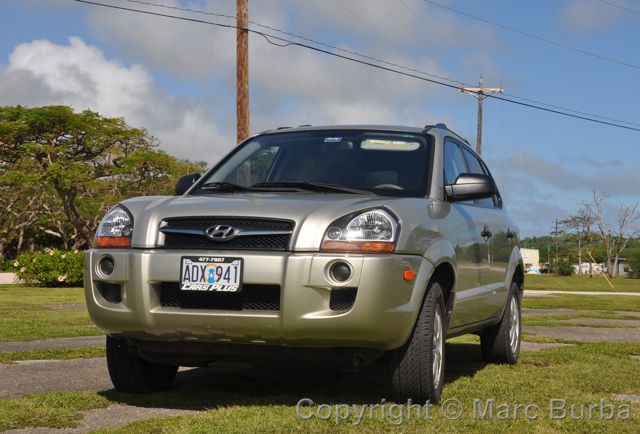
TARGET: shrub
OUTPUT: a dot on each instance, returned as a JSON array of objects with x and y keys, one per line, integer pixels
[
  {"x": 565, "y": 268},
  {"x": 51, "y": 267}
]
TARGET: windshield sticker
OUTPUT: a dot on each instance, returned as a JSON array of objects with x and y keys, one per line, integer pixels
[
  {"x": 332, "y": 139},
  {"x": 389, "y": 145}
]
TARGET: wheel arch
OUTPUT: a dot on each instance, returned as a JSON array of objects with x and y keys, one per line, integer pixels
[{"x": 444, "y": 273}]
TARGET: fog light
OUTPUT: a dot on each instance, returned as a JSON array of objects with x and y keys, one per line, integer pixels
[
  {"x": 340, "y": 272},
  {"x": 106, "y": 266}
]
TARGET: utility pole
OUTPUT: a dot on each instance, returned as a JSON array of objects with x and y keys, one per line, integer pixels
[
  {"x": 480, "y": 93},
  {"x": 242, "y": 70},
  {"x": 557, "y": 264},
  {"x": 243, "y": 176}
]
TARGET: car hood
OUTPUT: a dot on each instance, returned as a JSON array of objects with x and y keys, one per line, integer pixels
[{"x": 311, "y": 212}]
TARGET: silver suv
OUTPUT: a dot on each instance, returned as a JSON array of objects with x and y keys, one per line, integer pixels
[{"x": 338, "y": 244}]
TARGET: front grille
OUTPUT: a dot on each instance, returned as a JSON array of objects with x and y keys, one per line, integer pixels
[
  {"x": 266, "y": 241},
  {"x": 251, "y": 297},
  {"x": 342, "y": 298}
]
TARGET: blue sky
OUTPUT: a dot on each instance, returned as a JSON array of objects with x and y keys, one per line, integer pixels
[{"x": 176, "y": 79}]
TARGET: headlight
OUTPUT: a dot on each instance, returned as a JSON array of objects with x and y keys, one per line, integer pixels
[
  {"x": 369, "y": 231},
  {"x": 115, "y": 229}
]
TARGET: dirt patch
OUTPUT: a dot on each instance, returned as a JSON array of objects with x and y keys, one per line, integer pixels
[
  {"x": 628, "y": 397},
  {"x": 64, "y": 306},
  {"x": 112, "y": 417},
  {"x": 537, "y": 346}
]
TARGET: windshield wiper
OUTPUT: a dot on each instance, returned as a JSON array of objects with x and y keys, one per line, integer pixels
[
  {"x": 310, "y": 186},
  {"x": 231, "y": 187},
  {"x": 224, "y": 186}
]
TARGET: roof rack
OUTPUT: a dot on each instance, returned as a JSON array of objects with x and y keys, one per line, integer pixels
[{"x": 444, "y": 126}]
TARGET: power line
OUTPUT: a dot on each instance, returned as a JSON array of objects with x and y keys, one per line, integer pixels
[
  {"x": 288, "y": 42},
  {"x": 303, "y": 38},
  {"x": 533, "y": 36},
  {"x": 624, "y": 8},
  {"x": 375, "y": 59},
  {"x": 431, "y": 28}
]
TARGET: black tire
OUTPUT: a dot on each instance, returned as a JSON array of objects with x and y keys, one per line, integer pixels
[
  {"x": 497, "y": 342},
  {"x": 412, "y": 365},
  {"x": 131, "y": 373}
]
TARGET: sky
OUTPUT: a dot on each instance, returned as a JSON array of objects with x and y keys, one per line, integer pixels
[{"x": 177, "y": 80}]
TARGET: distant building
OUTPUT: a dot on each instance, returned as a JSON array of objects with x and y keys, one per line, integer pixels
[
  {"x": 623, "y": 268},
  {"x": 589, "y": 268},
  {"x": 531, "y": 259}
]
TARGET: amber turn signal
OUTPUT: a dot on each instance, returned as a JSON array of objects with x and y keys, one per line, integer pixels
[
  {"x": 409, "y": 275},
  {"x": 358, "y": 246},
  {"x": 112, "y": 242}
]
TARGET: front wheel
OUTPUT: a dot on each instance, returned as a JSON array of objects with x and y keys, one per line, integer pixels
[
  {"x": 131, "y": 373},
  {"x": 417, "y": 368},
  {"x": 501, "y": 343}
]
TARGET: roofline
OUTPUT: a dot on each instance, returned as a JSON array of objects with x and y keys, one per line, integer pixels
[{"x": 367, "y": 127}]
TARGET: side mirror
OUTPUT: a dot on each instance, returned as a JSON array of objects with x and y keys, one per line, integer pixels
[
  {"x": 471, "y": 186},
  {"x": 185, "y": 182}
]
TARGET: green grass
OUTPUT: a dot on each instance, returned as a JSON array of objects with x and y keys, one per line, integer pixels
[
  {"x": 21, "y": 295},
  {"x": 23, "y": 318},
  {"x": 31, "y": 324},
  {"x": 584, "y": 302},
  {"x": 552, "y": 282},
  {"x": 57, "y": 354},
  {"x": 237, "y": 398}
]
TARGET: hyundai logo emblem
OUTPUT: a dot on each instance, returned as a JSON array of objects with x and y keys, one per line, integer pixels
[{"x": 220, "y": 233}]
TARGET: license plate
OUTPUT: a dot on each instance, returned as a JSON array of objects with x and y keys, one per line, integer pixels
[{"x": 211, "y": 273}]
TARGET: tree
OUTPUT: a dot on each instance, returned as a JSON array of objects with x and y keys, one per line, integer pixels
[
  {"x": 60, "y": 171},
  {"x": 614, "y": 237},
  {"x": 582, "y": 224}
]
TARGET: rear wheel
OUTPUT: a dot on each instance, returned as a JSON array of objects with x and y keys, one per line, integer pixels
[
  {"x": 131, "y": 373},
  {"x": 501, "y": 343},
  {"x": 417, "y": 368}
]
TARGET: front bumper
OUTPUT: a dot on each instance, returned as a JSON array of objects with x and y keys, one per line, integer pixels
[{"x": 381, "y": 317}]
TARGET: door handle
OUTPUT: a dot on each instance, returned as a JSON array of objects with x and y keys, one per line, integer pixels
[{"x": 486, "y": 233}]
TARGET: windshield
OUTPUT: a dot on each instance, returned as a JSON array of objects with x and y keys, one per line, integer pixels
[{"x": 357, "y": 162}]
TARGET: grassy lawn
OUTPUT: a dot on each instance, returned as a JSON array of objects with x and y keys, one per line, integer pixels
[
  {"x": 584, "y": 302},
  {"x": 552, "y": 282},
  {"x": 23, "y": 318},
  {"x": 238, "y": 398},
  {"x": 21, "y": 295}
]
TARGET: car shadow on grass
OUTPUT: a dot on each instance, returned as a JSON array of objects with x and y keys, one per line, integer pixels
[{"x": 227, "y": 384}]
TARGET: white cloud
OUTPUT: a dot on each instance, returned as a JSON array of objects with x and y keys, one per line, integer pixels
[
  {"x": 589, "y": 16},
  {"x": 79, "y": 75}
]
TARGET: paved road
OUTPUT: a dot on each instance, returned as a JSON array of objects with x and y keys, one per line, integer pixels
[
  {"x": 37, "y": 376},
  {"x": 545, "y": 293},
  {"x": 53, "y": 344}
]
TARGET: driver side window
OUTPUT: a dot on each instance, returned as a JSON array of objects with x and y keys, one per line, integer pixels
[{"x": 454, "y": 163}]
